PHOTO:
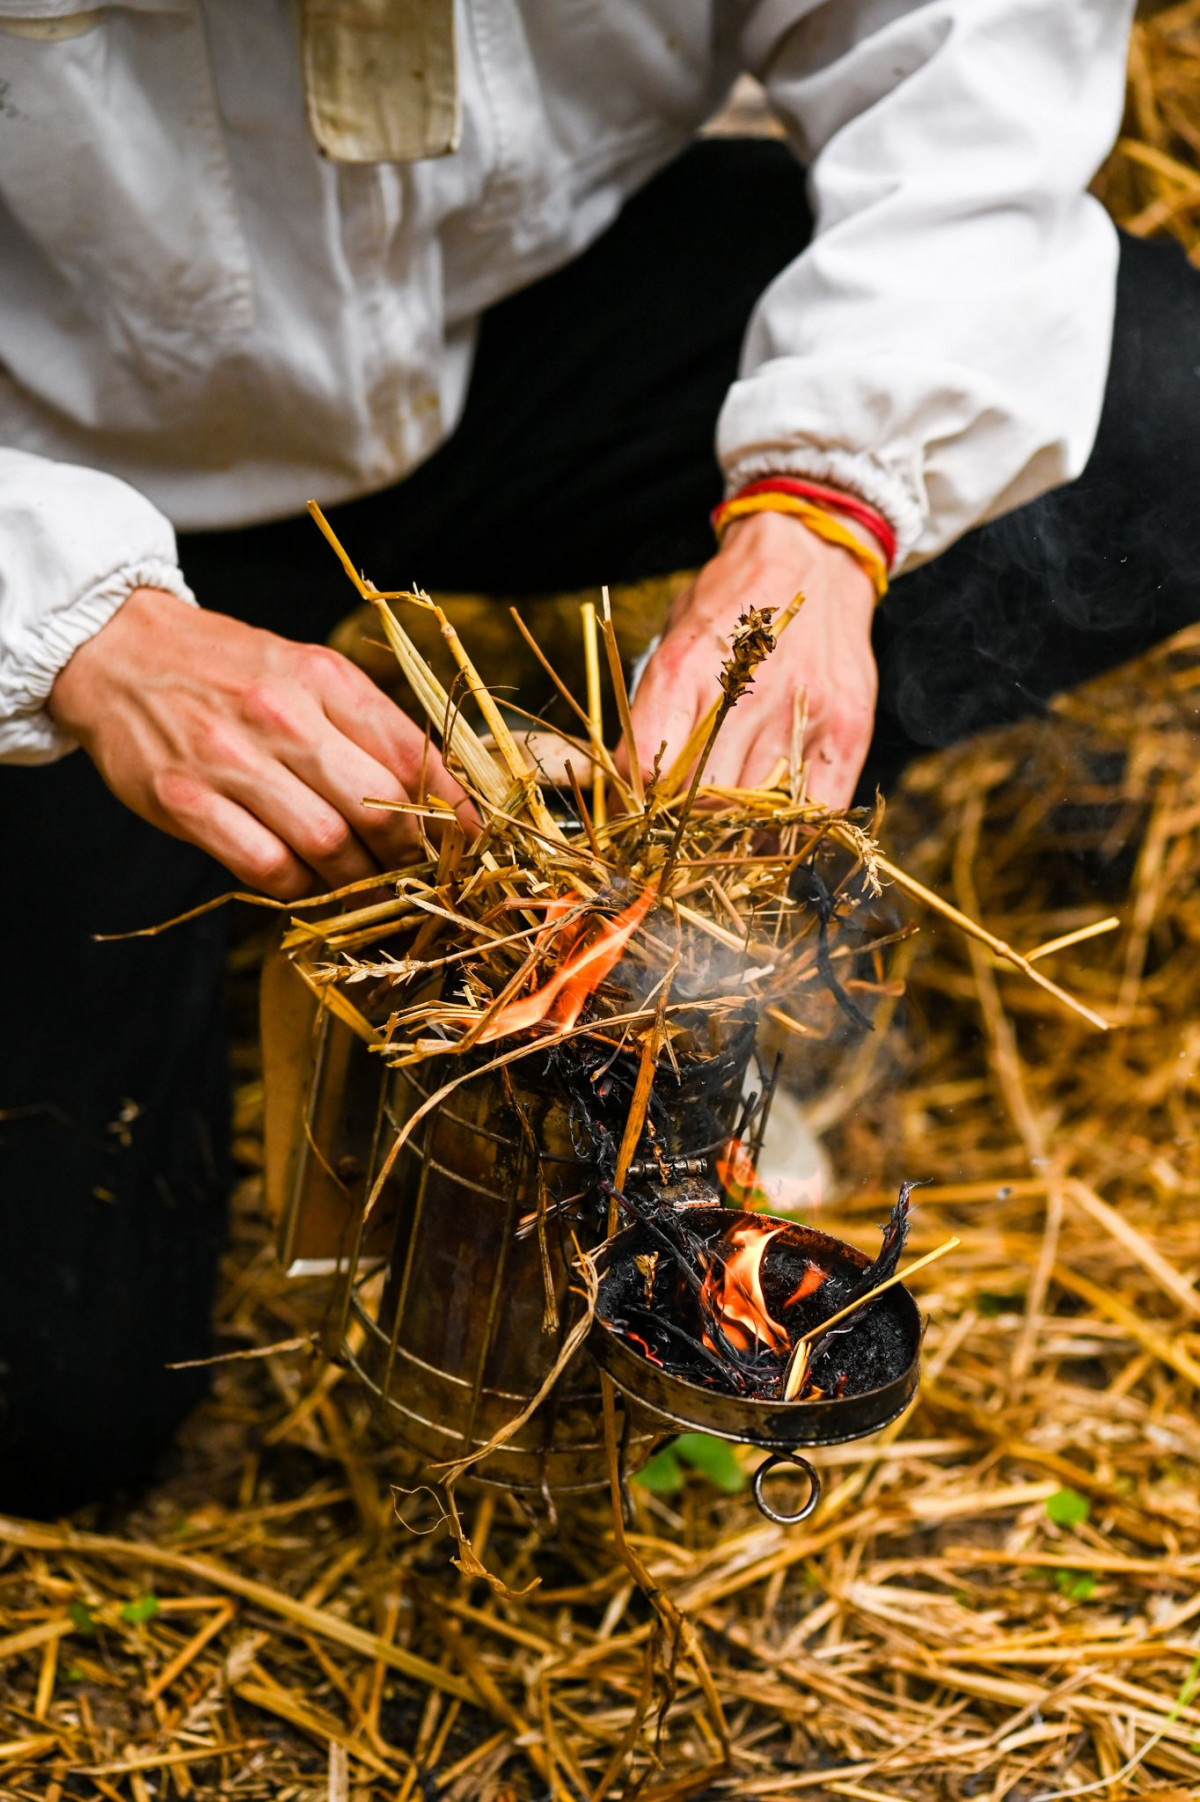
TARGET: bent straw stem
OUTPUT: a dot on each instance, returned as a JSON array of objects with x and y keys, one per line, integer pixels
[
  {"x": 797, "y": 1362},
  {"x": 1069, "y": 939},
  {"x": 974, "y": 930},
  {"x": 425, "y": 685}
]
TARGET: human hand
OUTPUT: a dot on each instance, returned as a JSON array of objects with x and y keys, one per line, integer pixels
[
  {"x": 826, "y": 651},
  {"x": 258, "y": 750}
]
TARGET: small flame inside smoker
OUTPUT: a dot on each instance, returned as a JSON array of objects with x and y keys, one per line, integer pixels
[
  {"x": 740, "y": 1305},
  {"x": 732, "y": 1300},
  {"x": 737, "y": 1174}
]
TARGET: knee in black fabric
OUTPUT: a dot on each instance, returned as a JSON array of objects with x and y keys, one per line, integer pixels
[
  {"x": 114, "y": 1128},
  {"x": 109, "y": 1265},
  {"x": 109, "y": 1246},
  {"x": 75, "y": 1430},
  {"x": 1152, "y": 399},
  {"x": 1138, "y": 491}
]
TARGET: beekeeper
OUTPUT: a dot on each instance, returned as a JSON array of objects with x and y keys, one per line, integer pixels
[{"x": 462, "y": 273}]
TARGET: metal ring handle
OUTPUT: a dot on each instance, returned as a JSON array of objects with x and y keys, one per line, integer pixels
[{"x": 767, "y": 1468}]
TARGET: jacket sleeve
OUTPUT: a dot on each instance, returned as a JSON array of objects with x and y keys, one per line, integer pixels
[
  {"x": 941, "y": 348},
  {"x": 74, "y": 544}
]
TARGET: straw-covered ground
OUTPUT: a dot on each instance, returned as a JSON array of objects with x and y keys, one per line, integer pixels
[{"x": 998, "y": 1596}]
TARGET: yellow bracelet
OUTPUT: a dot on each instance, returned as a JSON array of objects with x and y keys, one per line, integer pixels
[{"x": 817, "y": 520}]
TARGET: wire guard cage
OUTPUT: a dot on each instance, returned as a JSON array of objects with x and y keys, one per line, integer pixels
[{"x": 454, "y": 1334}]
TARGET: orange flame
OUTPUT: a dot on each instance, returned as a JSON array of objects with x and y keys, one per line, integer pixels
[
  {"x": 732, "y": 1293},
  {"x": 738, "y": 1176},
  {"x": 812, "y": 1279},
  {"x": 560, "y": 1001}
]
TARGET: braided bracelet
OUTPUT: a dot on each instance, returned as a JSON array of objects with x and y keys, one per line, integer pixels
[
  {"x": 848, "y": 504},
  {"x": 817, "y": 518}
]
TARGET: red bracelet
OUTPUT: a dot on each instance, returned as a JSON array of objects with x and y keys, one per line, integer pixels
[{"x": 849, "y": 504}]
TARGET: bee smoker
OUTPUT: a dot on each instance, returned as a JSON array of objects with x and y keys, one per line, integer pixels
[{"x": 453, "y": 1300}]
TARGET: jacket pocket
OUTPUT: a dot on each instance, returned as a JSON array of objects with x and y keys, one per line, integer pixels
[{"x": 113, "y": 165}]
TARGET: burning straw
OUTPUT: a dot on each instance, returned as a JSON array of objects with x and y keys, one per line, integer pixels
[{"x": 519, "y": 931}]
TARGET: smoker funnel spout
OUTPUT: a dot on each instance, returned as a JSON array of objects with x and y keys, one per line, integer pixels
[{"x": 712, "y": 1354}]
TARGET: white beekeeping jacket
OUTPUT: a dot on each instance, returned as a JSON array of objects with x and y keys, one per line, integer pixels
[{"x": 204, "y": 318}]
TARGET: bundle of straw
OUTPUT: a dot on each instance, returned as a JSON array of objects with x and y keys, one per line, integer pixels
[{"x": 572, "y": 912}]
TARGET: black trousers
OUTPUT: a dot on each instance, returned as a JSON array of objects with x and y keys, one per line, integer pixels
[{"x": 584, "y": 455}]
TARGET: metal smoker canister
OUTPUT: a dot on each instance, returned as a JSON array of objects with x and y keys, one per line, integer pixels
[{"x": 450, "y": 1337}]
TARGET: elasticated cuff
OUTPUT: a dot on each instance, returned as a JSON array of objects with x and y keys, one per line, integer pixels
[
  {"x": 854, "y": 471},
  {"x": 28, "y": 734}
]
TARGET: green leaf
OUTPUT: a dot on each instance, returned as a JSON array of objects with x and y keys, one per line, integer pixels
[
  {"x": 1076, "y": 1585},
  {"x": 663, "y": 1475},
  {"x": 1067, "y": 1508},
  {"x": 82, "y": 1618},
  {"x": 714, "y": 1459},
  {"x": 991, "y": 1305},
  {"x": 73, "y": 1674},
  {"x": 144, "y": 1609}
]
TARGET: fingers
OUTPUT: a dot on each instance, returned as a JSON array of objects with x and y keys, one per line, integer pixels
[
  {"x": 825, "y": 656},
  {"x": 335, "y": 742},
  {"x": 314, "y": 784},
  {"x": 317, "y": 830},
  {"x": 261, "y": 751},
  {"x": 756, "y": 737},
  {"x": 256, "y": 856},
  {"x": 837, "y": 747},
  {"x": 832, "y": 780},
  {"x": 759, "y": 732},
  {"x": 368, "y": 719},
  {"x": 343, "y": 776}
]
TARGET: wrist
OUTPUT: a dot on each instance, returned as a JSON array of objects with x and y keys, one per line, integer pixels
[
  {"x": 841, "y": 519},
  {"x": 768, "y": 539},
  {"x": 77, "y": 691}
]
